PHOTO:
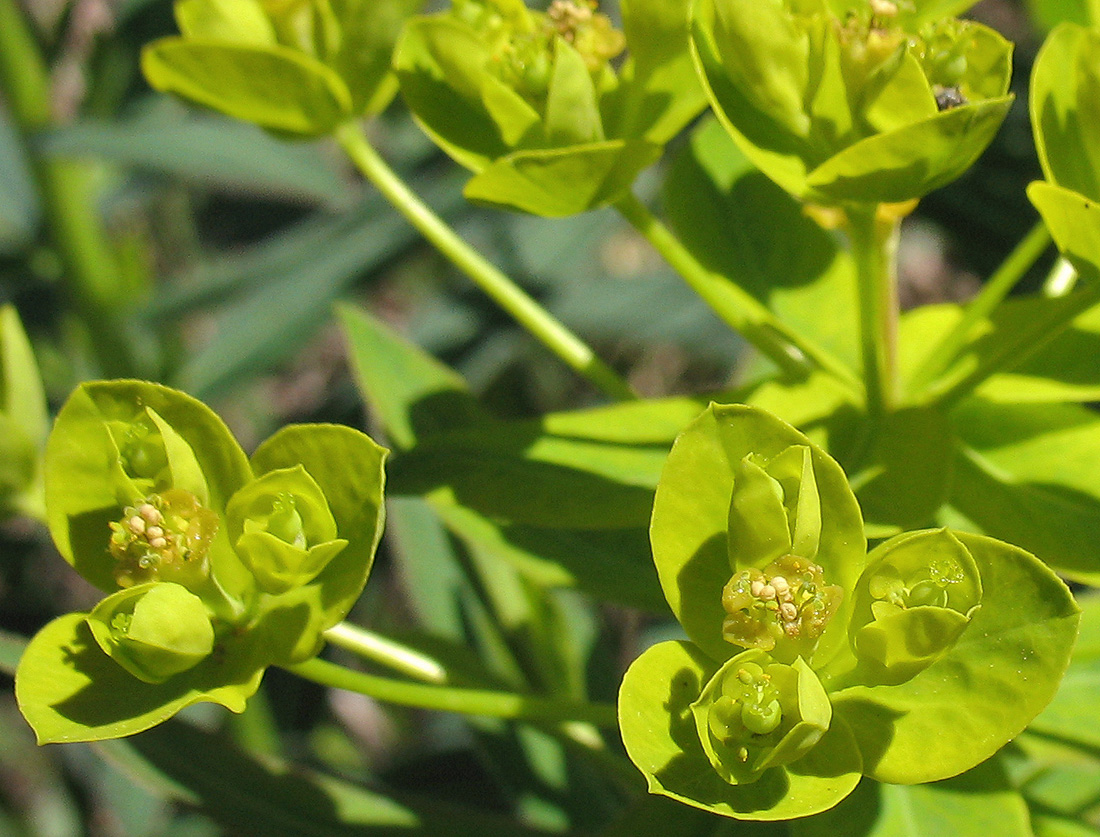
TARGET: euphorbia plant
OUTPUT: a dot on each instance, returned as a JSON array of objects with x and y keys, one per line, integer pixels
[
  {"x": 812, "y": 663},
  {"x": 214, "y": 565}
]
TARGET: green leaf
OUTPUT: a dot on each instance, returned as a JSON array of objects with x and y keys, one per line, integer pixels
[
  {"x": 1078, "y": 697},
  {"x": 1014, "y": 481},
  {"x": 690, "y": 519},
  {"x": 760, "y": 137},
  {"x": 742, "y": 226},
  {"x": 243, "y": 793},
  {"x": 517, "y": 473},
  {"x": 909, "y": 464},
  {"x": 661, "y": 738},
  {"x": 24, "y": 420},
  {"x": 22, "y": 398},
  {"x": 69, "y": 690},
  {"x": 1046, "y": 14},
  {"x": 11, "y": 649},
  {"x": 588, "y": 469},
  {"x": 1073, "y": 221},
  {"x": 82, "y": 463},
  {"x": 612, "y": 565},
  {"x": 979, "y": 802},
  {"x": 996, "y": 678},
  {"x": 1056, "y": 777},
  {"x": 562, "y": 181},
  {"x": 1065, "y": 82},
  {"x": 765, "y": 55},
  {"x": 348, "y": 467},
  {"x": 205, "y": 149},
  {"x": 412, "y": 393},
  {"x": 1062, "y": 370},
  {"x": 275, "y": 87},
  {"x": 19, "y": 209}
]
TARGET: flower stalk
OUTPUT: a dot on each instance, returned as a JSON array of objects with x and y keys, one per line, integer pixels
[
  {"x": 491, "y": 704},
  {"x": 500, "y": 288}
]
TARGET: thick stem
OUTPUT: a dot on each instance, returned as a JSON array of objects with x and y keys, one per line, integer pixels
[
  {"x": 506, "y": 293},
  {"x": 874, "y": 243},
  {"x": 91, "y": 270},
  {"x": 1003, "y": 280},
  {"x": 737, "y": 308},
  {"x": 448, "y": 699}
]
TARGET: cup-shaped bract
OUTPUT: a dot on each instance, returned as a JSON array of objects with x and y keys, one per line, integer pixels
[
  {"x": 874, "y": 106},
  {"x": 756, "y": 713},
  {"x": 1065, "y": 86},
  {"x": 532, "y": 103},
  {"x": 154, "y": 631},
  {"x": 121, "y": 450},
  {"x": 23, "y": 420},
  {"x": 756, "y": 536},
  {"x": 282, "y": 529},
  {"x": 914, "y": 600},
  {"x": 216, "y": 567},
  {"x": 298, "y": 67}
]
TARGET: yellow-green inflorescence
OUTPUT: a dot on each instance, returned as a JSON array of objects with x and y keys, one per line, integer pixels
[
  {"x": 787, "y": 604},
  {"x": 749, "y": 703},
  {"x": 928, "y": 586},
  {"x": 166, "y": 537},
  {"x": 521, "y": 41}
]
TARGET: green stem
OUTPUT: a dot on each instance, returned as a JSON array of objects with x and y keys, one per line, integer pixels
[
  {"x": 1003, "y": 280},
  {"x": 874, "y": 245},
  {"x": 69, "y": 202},
  {"x": 1061, "y": 280},
  {"x": 506, "y": 293},
  {"x": 580, "y": 736},
  {"x": 449, "y": 699},
  {"x": 737, "y": 308},
  {"x": 393, "y": 655}
]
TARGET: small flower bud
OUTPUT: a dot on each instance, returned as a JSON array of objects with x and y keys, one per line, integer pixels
[{"x": 154, "y": 631}]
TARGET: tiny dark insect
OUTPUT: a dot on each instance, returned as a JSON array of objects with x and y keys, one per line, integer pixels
[{"x": 948, "y": 97}]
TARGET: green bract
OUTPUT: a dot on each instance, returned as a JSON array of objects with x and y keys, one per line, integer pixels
[
  {"x": 812, "y": 663},
  {"x": 916, "y": 597},
  {"x": 1065, "y": 85},
  {"x": 282, "y": 528},
  {"x": 874, "y": 106},
  {"x": 216, "y": 566},
  {"x": 23, "y": 421},
  {"x": 530, "y": 101},
  {"x": 153, "y": 630},
  {"x": 294, "y": 66}
]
